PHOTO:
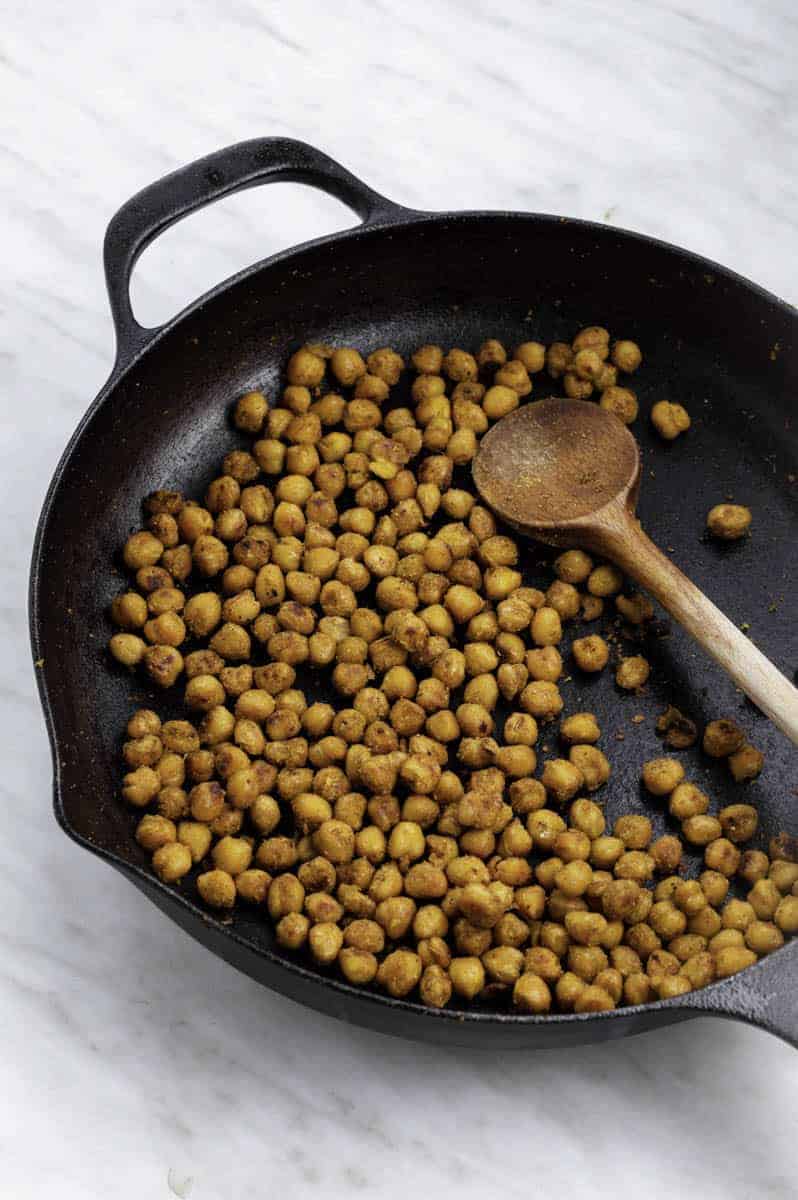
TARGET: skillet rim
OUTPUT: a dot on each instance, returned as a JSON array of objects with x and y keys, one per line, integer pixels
[{"x": 390, "y": 220}]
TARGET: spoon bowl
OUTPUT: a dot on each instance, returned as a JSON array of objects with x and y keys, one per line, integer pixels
[{"x": 550, "y": 467}]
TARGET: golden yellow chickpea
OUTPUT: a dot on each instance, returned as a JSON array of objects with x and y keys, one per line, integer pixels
[
  {"x": 626, "y": 355},
  {"x": 561, "y": 779},
  {"x": 632, "y": 673},
  {"x": 546, "y": 627},
  {"x": 670, "y": 420},
  {"x": 531, "y": 994},
  {"x": 399, "y": 972},
  {"x": 593, "y": 999},
  {"x": 542, "y": 699},
  {"x": 575, "y": 387},
  {"x": 622, "y": 402},
  {"x": 786, "y": 915},
  {"x": 155, "y": 831},
  {"x": 500, "y": 400},
  {"x": 217, "y": 888},
  {"x": 604, "y": 580},
  {"x": 730, "y": 959},
  {"x": 722, "y": 738},
  {"x": 591, "y": 653},
  {"x": 467, "y": 975},
  {"x": 662, "y": 775},
  {"x": 728, "y": 522},
  {"x": 171, "y": 861},
  {"x": 305, "y": 369}
]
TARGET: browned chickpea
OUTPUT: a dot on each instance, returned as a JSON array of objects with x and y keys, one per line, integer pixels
[
  {"x": 669, "y": 420},
  {"x": 686, "y": 800},
  {"x": 305, "y": 369},
  {"x": 632, "y": 673},
  {"x": 541, "y": 699},
  {"x": 514, "y": 375},
  {"x": 621, "y": 401},
  {"x": 531, "y": 993},
  {"x": 459, "y": 365},
  {"x": 591, "y": 653},
  {"x": 786, "y": 915},
  {"x": 754, "y": 866},
  {"x": 722, "y": 738},
  {"x": 500, "y": 400},
  {"x": 728, "y": 522},
  {"x": 142, "y": 549},
  {"x": 723, "y": 856},
  {"x": 662, "y": 775},
  {"x": 575, "y": 387},
  {"x": 746, "y": 763}
]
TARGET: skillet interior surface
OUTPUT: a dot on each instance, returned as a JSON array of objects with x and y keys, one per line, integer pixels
[{"x": 710, "y": 340}]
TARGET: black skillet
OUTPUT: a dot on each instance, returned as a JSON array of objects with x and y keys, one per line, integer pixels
[{"x": 721, "y": 345}]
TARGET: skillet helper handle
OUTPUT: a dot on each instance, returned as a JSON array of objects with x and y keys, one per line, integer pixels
[
  {"x": 244, "y": 165},
  {"x": 762, "y": 682},
  {"x": 763, "y": 995}
]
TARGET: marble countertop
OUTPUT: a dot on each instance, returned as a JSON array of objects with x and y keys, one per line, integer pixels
[{"x": 133, "y": 1063}]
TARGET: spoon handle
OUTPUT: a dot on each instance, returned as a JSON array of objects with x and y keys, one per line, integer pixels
[{"x": 625, "y": 543}]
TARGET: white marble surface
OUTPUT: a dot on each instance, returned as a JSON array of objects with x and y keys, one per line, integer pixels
[{"x": 133, "y": 1063}]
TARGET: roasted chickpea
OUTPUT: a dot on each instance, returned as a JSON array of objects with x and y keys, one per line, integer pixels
[
  {"x": 728, "y": 522},
  {"x": 670, "y": 420}
]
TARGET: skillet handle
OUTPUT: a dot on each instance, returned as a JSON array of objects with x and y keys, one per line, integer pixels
[
  {"x": 765, "y": 995},
  {"x": 244, "y": 165}
]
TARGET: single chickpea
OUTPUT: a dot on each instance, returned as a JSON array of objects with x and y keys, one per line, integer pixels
[
  {"x": 669, "y": 420},
  {"x": 738, "y": 822},
  {"x": 783, "y": 874},
  {"x": 786, "y": 915},
  {"x": 532, "y": 355},
  {"x": 722, "y": 738},
  {"x": 593, "y": 765},
  {"x": 564, "y": 598},
  {"x": 604, "y": 580},
  {"x": 155, "y": 831},
  {"x": 467, "y": 976},
  {"x": 632, "y": 673},
  {"x": 626, "y": 356},
  {"x": 580, "y": 729},
  {"x": 459, "y": 365},
  {"x": 587, "y": 364},
  {"x": 732, "y": 958},
  {"x": 591, "y": 653},
  {"x": 127, "y": 649},
  {"x": 573, "y": 566},
  {"x": 686, "y": 800},
  {"x": 561, "y": 779},
  {"x": 746, "y": 763},
  {"x": 723, "y": 856},
  {"x": 575, "y": 387},
  {"x": 541, "y": 699},
  {"x": 514, "y": 375},
  {"x": 559, "y": 357},
  {"x": 399, "y": 972},
  {"x": 531, "y": 994},
  {"x": 171, "y": 861},
  {"x": 728, "y": 522},
  {"x": 662, "y": 775},
  {"x": 500, "y": 400}
]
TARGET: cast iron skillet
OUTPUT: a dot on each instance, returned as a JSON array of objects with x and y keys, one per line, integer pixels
[{"x": 711, "y": 339}]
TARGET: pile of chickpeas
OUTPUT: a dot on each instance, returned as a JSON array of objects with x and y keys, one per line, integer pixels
[{"x": 407, "y": 835}]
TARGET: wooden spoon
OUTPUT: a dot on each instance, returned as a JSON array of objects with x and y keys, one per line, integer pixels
[{"x": 567, "y": 472}]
